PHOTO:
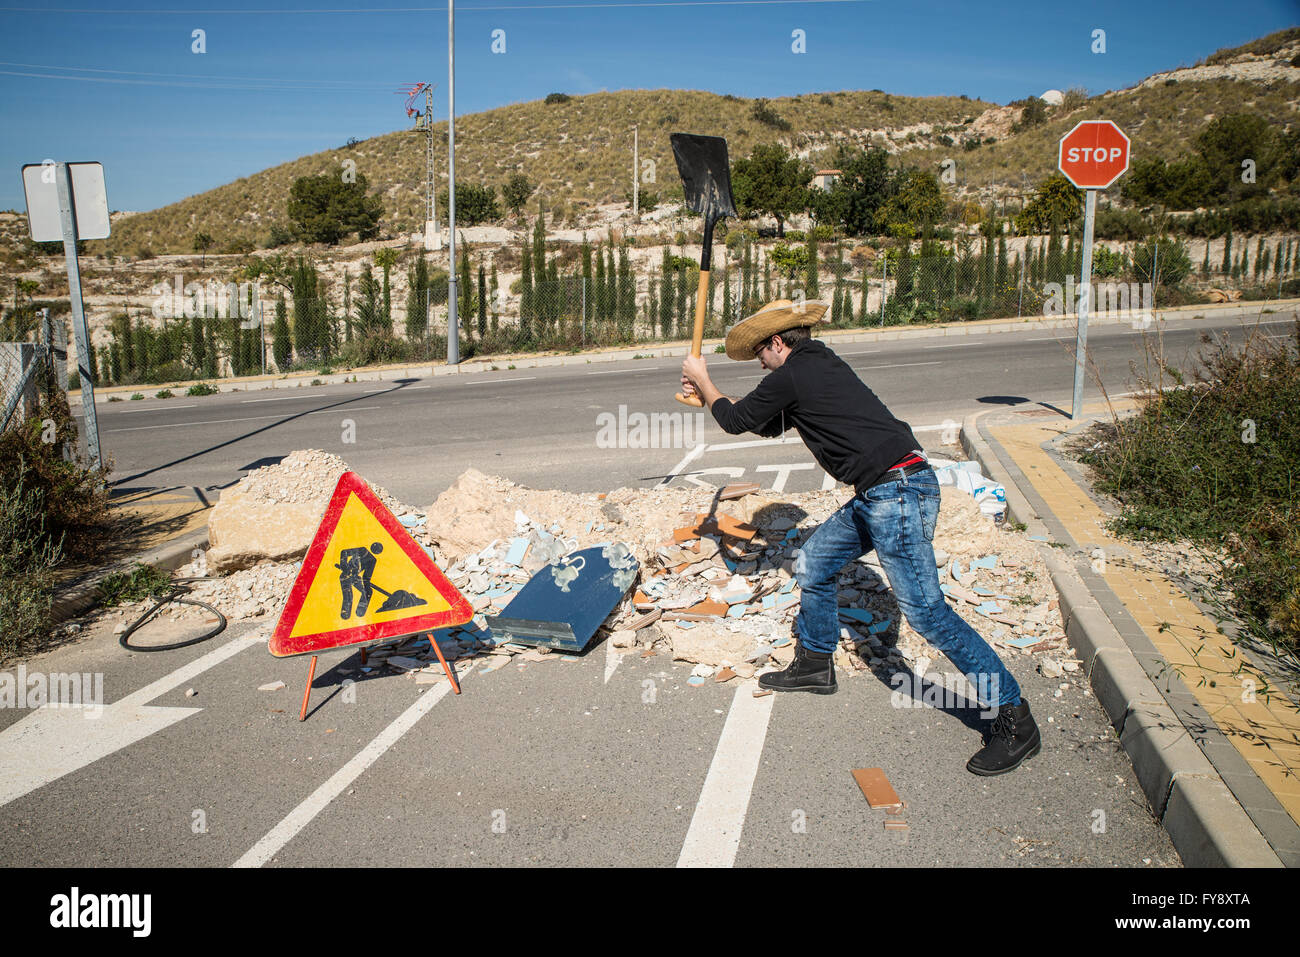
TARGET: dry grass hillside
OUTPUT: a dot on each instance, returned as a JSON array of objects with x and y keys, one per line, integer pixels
[{"x": 578, "y": 153}]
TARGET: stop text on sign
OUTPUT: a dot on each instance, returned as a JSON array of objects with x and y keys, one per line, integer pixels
[{"x": 1088, "y": 154}]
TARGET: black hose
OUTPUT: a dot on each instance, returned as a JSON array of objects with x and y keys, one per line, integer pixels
[{"x": 179, "y": 589}]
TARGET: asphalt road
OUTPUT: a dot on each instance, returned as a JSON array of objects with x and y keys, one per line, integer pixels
[
  {"x": 598, "y": 761},
  {"x": 540, "y": 427},
  {"x": 554, "y": 765}
]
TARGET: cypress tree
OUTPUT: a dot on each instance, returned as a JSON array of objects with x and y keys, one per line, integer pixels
[
  {"x": 115, "y": 361},
  {"x": 812, "y": 286},
  {"x": 727, "y": 315},
  {"x": 1226, "y": 266},
  {"x": 666, "y": 298},
  {"x": 597, "y": 293},
  {"x": 482, "y": 301},
  {"x": 1004, "y": 269},
  {"x": 627, "y": 294},
  {"x": 1205, "y": 263},
  {"x": 1259, "y": 255},
  {"x": 862, "y": 304},
  {"x": 210, "y": 349},
  {"x": 347, "y": 305},
  {"x": 684, "y": 316},
  {"x": 280, "y": 335},
  {"x": 465, "y": 308},
  {"x": 767, "y": 282},
  {"x": 526, "y": 296},
  {"x": 495, "y": 293}
]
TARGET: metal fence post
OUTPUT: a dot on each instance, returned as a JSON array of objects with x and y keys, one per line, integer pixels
[{"x": 584, "y": 311}]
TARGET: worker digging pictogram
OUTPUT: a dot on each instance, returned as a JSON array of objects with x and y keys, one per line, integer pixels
[{"x": 356, "y": 566}]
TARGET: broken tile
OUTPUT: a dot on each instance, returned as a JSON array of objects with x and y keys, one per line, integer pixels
[
  {"x": 726, "y": 674},
  {"x": 738, "y": 490},
  {"x": 762, "y": 692},
  {"x": 876, "y": 788},
  {"x": 271, "y": 686}
]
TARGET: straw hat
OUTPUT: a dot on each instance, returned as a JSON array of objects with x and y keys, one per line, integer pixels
[{"x": 777, "y": 316}]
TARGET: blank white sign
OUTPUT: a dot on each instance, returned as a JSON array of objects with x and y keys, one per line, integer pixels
[{"x": 40, "y": 181}]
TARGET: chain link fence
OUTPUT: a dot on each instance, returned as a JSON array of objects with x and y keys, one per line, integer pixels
[
  {"x": 28, "y": 370},
  {"x": 962, "y": 279}
]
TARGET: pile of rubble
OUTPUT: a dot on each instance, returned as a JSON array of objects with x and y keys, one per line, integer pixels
[{"x": 716, "y": 586}]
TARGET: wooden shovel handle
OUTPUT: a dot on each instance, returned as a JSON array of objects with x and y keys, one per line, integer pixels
[{"x": 697, "y": 335}]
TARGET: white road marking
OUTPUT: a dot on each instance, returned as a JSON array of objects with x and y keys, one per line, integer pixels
[
  {"x": 752, "y": 444},
  {"x": 399, "y": 388},
  {"x": 153, "y": 408},
  {"x": 828, "y": 482},
  {"x": 1048, "y": 339},
  {"x": 959, "y": 345},
  {"x": 689, "y": 457},
  {"x": 730, "y": 471},
  {"x": 302, "y": 815},
  {"x": 249, "y": 418},
  {"x": 783, "y": 472},
  {"x": 51, "y": 742},
  {"x": 612, "y": 660},
  {"x": 714, "y": 835},
  {"x": 899, "y": 365},
  {"x": 623, "y": 372},
  {"x": 278, "y": 398},
  {"x": 495, "y": 381}
]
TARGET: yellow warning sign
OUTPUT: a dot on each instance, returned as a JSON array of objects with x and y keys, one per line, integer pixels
[{"x": 364, "y": 579}]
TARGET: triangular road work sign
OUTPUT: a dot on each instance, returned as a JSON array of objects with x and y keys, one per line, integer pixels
[{"x": 365, "y": 579}]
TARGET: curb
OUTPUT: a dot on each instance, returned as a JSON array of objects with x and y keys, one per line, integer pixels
[
  {"x": 667, "y": 350},
  {"x": 80, "y": 595},
  {"x": 1207, "y": 825}
]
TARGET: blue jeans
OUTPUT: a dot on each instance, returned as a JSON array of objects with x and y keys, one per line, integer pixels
[{"x": 897, "y": 519}]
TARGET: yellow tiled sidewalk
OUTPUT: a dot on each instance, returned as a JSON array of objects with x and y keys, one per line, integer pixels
[{"x": 1265, "y": 730}]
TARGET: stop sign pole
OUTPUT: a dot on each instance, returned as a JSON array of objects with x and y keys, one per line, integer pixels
[{"x": 1092, "y": 156}]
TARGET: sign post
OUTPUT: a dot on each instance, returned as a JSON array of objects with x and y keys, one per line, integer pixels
[
  {"x": 1092, "y": 156},
  {"x": 67, "y": 201}
]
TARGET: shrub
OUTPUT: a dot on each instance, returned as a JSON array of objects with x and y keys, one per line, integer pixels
[
  {"x": 1186, "y": 467},
  {"x": 1169, "y": 268},
  {"x": 140, "y": 582},
  {"x": 136, "y": 395},
  {"x": 164, "y": 394},
  {"x": 28, "y": 555},
  {"x": 1114, "y": 223},
  {"x": 202, "y": 388},
  {"x": 73, "y": 495},
  {"x": 552, "y": 98},
  {"x": 765, "y": 114},
  {"x": 375, "y": 349}
]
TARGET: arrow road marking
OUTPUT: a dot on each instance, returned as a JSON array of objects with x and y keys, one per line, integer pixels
[{"x": 52, "y": 742}]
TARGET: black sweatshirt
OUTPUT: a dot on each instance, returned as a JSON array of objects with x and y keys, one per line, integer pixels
[{"x": 846, "y": 427}]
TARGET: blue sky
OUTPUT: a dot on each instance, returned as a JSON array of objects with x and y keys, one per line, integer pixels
[{"x": 118, "y": 81}]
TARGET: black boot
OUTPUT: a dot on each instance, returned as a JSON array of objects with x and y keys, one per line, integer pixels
[
  {"x": 809, "y": 671},
  {"x": 1013, "y": 739}
]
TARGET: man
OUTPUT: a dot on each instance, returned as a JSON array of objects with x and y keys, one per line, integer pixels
[{"x": 856, "y": 440}]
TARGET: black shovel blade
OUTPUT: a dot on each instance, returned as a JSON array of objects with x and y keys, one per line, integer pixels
[{"x": 706, "y": 174}]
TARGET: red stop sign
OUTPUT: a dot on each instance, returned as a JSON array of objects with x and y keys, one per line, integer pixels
[{"x": 1094, "y": 154}]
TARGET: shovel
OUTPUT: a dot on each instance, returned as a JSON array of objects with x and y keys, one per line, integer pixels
[{"x": 706, "y": 180}]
